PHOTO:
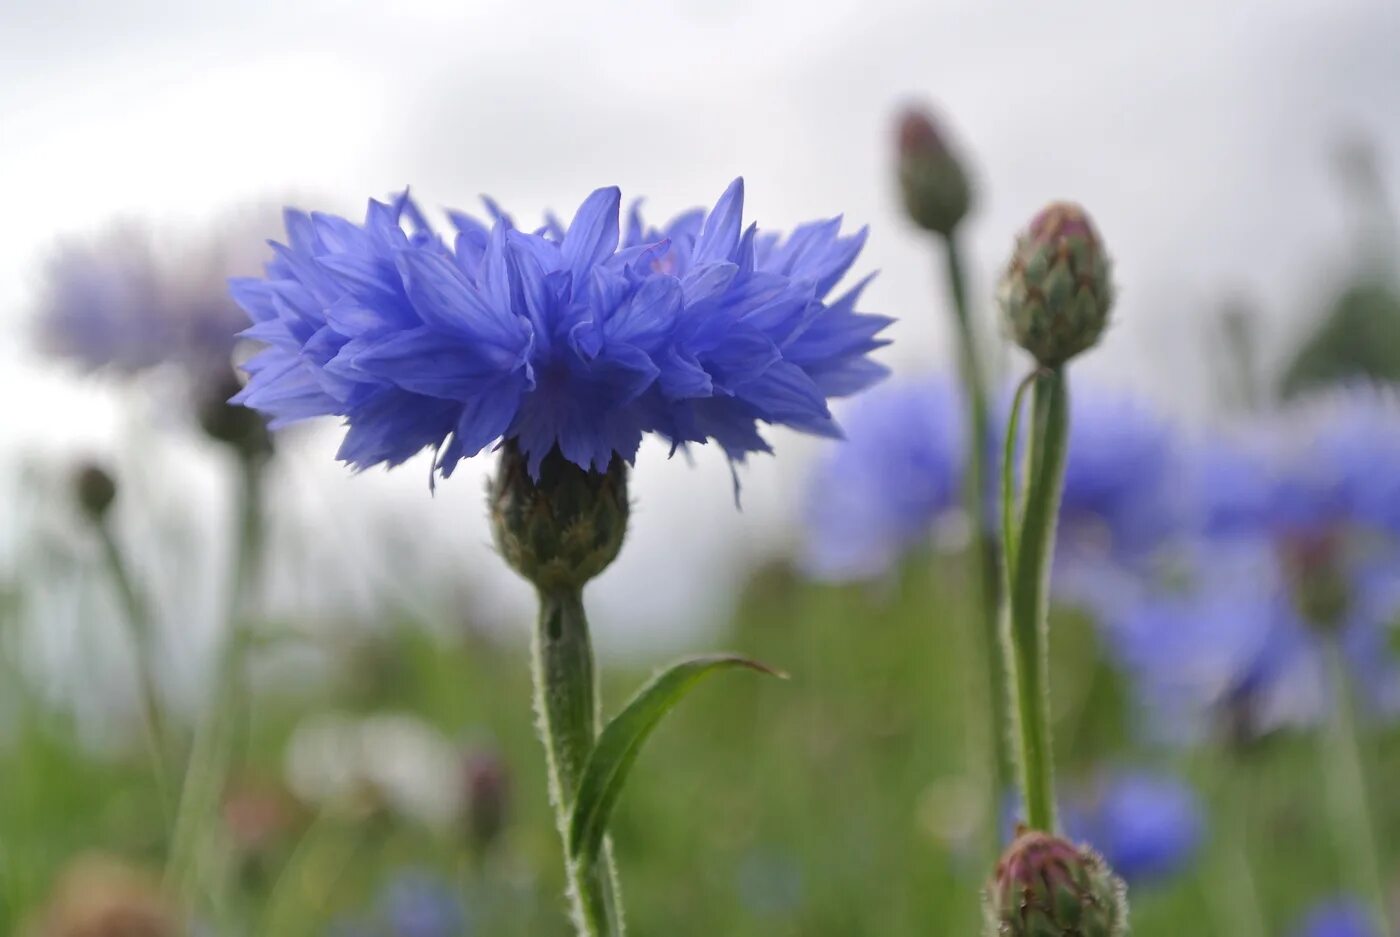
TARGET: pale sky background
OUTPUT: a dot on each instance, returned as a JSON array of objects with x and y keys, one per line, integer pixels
[{"x": 1199, "y": 136}]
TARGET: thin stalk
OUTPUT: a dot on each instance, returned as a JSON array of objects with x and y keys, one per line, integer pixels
[
  {"x": 1348, "y": 800},
  {"x": 137, "y": 615},
  {"x": 1027, "y": 627},
  {"x": 566, "y": 707},
  {"x": 1228, "y": 881},
  {"x": 196, "y": 823},
  {"x": 982, "y": 518}
]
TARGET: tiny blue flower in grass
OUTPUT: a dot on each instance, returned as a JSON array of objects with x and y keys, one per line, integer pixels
[
  {"x": 1339, "y": 917},
  {"x": 568, "y": 337}
]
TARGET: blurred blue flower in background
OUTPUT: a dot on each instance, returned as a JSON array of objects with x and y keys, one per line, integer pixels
[
  {"x": 1148, "y": 826},
  {"x": 1293, "y": 546},
  {"x": 570, "y": 337},
  {"x": 416, "y": 904},
  {"x": 124, "y": 301},
  {"x": 880, "y": 492},
  {"x": 412, "y": 904},
  {"x": 1123, "y": 501},
  {"x": 1339, "y": 917}
]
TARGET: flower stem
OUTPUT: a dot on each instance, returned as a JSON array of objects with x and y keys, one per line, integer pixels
[
  {"x": 1027, "y": 573},
  {"x": 566, "y": 705},
  {"x": 984, "y": 545},
  {"x": 1348, "y": 800},
  {"x": 196, "y": 821},
  {"x": 137, "y": 615}
]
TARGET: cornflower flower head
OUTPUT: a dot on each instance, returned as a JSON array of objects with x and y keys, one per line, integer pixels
[
  {"x": 1292, "y": 543},
  {"x": 571, "y": 338}
]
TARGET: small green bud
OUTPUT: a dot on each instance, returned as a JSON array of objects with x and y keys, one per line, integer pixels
[
  {"x": 935, "y": 187},
  {"x": 95, "y": 490},
  {"x": 564, "y": 529},
  {"x": 1046, "y": 886},
  {"x": 1056, "y": 293}
]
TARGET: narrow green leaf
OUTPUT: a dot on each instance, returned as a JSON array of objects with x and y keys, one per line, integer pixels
[{"x": 621, "y": 741}]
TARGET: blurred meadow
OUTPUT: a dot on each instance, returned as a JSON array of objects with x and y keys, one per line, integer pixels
[{"x": 246, "y": 689}]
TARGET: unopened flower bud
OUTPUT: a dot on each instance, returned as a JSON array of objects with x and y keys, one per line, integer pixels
[
  {"x": 934, "y": 185},
  {"x": 95, "y": 490},
  {"x": 487, "y": 797},
  {"x": 233, "y": 424},
  {"x": 1057, "y": 292},
  {"x": 1046, "y": 886},
  {"x": 563, "y": 529}
]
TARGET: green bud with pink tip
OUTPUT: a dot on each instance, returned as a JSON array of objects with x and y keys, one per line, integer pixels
[
  {"x": 1045, "y": 886},
  {"x": 1057, "y": 291}
]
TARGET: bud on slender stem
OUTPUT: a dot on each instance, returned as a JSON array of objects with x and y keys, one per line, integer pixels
[
  {"x": 935, "y": 188},
  {"x": 1057, "y": 291},
  {"x": 95, "y": 491},
  {"x": 1046, "y": 886}
]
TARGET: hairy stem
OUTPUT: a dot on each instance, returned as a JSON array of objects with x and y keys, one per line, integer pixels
[
  {"x": 982, "y": 519},
  {"x": 1027, "y": 574},
  {"x": 566, "y": 705}
]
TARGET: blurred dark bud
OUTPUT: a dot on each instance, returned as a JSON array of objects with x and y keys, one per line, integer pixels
[
  {"x": 99, "y": 896},
  {"x": 1314, "y": 564},
  {"x": 258, "y": 814},
  {"x": 1046, "y": 886},
  {"x": 1361, "y": 172},
  {"x": 564, "y": 528},
  {"x": 1057, "y": 291},
  {"x": 936, "y": 192},
  {"x": 1358, "y": 339},
  {"x": 95, "y": 490},
  {"x": 233, "y": 425},
  {"x": 487, "y": 797}
]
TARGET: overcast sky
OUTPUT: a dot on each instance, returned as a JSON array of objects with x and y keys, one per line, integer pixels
[{"x": 1199, "y": 136}]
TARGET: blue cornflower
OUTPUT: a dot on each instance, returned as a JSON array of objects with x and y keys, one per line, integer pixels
[
  {"x": 1339, "y": 917},
  {"x": 1147, "y": 826},
  {"x": 415, "y": 904},
  {"x": 570, "y": 338},
  {"x": 118, "y": 303},
  {"x": 1123, "y": 503},
  {"x": 881, "y": 491},
  {"x": 412, "y": 904},
  {"x": 1293, "y": 547}
]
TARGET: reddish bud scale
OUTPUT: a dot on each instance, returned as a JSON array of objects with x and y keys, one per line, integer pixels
[{"x": 1046, "y": 886}]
